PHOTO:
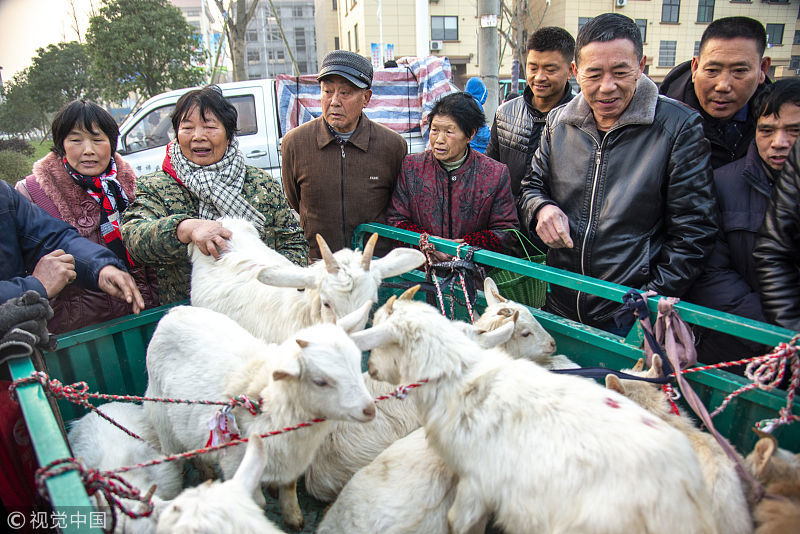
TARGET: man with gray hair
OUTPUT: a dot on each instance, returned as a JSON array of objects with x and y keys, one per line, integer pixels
[
  {"x": 339, "y": 169},
  {"x": 621, "y": 187}
]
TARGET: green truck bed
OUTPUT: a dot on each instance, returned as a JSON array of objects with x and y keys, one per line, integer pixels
[{"x": 111, "y": 358}]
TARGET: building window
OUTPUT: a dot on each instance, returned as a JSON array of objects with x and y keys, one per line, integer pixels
[
  {"x": 794, "y": 63},
  {"x": 253, "y": 56},
  {"x": 705, "y": 11},
  {"x": 302, "y": 66},
  {"x": 300, "y": 40},
  {"x": 444, "y": 28},
  {"x": 797, "y": 37},
  {"x": 336, "y": 43},
  {"x": 774, "y": 34},
  {"x": 335, "y": 8},
  {"x": 252, "y": 35},
  {"x": 355, "y": 34},
  {"x": 696, "y": 48},
  {"x": 275, "y": 34},
  {"x": 582, "y": 21},
  {"x": 670, "y": 10},
  {"x": 666, "y": 53},
  {"x": 297, "y": 11},
  {"x": 642, "y": 23}
]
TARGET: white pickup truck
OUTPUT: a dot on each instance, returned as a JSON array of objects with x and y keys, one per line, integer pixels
[{"x": 144, "y": 134}]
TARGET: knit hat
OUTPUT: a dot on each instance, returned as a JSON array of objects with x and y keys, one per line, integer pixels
[{"x": 354, "y": 68}]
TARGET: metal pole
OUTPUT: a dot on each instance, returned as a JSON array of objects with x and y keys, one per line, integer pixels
[
  {"x": 488, "y": 50},
  {"x": 380, "y": 31}
]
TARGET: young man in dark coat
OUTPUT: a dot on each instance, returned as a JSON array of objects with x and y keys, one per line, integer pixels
[
  {"x": 744, "y": 188},
  {"x": 721, "y": 82}
]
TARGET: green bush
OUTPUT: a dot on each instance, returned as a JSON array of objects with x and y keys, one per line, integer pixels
[
  {"x": 17, "y": 145},
  {"x": 13, "y": 166}
]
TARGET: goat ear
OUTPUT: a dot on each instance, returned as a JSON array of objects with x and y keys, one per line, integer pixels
[
  {"x": 656, "y": 370},
  {"x": 615, "y": 384},
  {"x": 639, "y": 365},
  {"x": 289, "y": 276},
  {"x": 762, "y": 454},
  {"x": 373, "y": 337},
  {"x": 331, "y": 265},
  {"x": 369, "y": 250},
  {"x": 498, "y": 336},
  {"x": 248, "y": 475},
  {"x": 288, "y": 366},
  {"x": 491, "y": 292},
  {"x": 356, "y": 319},
  {"x": 397, "y": 262}
]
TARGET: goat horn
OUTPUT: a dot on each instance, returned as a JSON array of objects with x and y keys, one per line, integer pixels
[
  {"x": 639, "y": 365},
  {"x": 150, "y": 492},
  {"x": 369, "y": 250},
  {"x": 409, "y": 293},
  {"x": 331, "y": 265},
  {"x": 498, "y": 296},
  {"x": 390, "y": 304},
  {"x": 505, "y": 312},
  {"x": 302, "y": 343},
  {"x": 515, "y": 316}
]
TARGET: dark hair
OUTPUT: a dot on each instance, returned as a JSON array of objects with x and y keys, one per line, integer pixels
[
  {"x": 774, "y": 95},
  {"x": 552, "y": 38},
  {"x": 733, "y": 27},
  {"x": 608, "y": 27},
  {"x": 511, "y": 96},
  {"x": 463, "y": 109},
  {"x": 207, "y": 99},
  {"x": 389, "y": 63},
  {"x": 86, "y": 115}
]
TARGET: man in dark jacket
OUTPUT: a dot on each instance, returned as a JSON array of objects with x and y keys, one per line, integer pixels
[
  {"x": 339, "y": 170},
  {"x": 721, "y": 82},
  {"x": 44, "y": 254},
  {"x": 518, "y": 123},
  {"x": 777, "y": 249},
  {"x": 744, "y": 188},
  {"x": 621, "y": 187}
]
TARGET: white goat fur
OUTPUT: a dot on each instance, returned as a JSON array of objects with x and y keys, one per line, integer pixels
[
  {"x": 258, "y": 287},
  {"x": 728, "y": 498},
  {"x": 778, "y": 470},
  {"x": 222, "y": 507},
  {"x": 197, "y": 353},
  {"x": 103, "y": 446},
  {"x": 620, "y": 468},
  {"x": 349, "y": 447}
]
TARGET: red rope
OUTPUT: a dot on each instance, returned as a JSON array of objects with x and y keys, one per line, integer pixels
[
  {"x": 463, "y": 288},
  {"x": 427, "y": 248}
]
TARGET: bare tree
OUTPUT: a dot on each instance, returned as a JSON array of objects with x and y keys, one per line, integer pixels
[{"x": 236, "y": 18}]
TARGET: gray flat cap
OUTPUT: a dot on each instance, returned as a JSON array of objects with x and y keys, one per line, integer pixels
[{"x": 354, "y": 68}]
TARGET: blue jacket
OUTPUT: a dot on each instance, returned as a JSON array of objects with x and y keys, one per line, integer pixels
[
  {"x": 27, "y": 233},
  {"x": 477, "y": 89}
]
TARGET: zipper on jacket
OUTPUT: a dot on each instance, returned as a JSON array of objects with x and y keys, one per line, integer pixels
[
  {"x": 595, "y": 179},
  {"x": 341, "y": 192}
]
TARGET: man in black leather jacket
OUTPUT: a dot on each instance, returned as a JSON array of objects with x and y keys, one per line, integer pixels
[
  {"x": 777, "y": 249},
  {"x": 518, "y": 123},
  {"x": 722, "y": 82},
  {"x": 621, "y": 186}
]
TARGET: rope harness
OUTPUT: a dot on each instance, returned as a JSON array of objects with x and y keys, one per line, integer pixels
[{"x": 458, "y": 268}]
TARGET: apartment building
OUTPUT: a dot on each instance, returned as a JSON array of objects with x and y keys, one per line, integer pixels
[
  {"x": 204, "y": 18},
  {"x": 267, "y": 52},
  {"x": 326, "y": 27}
]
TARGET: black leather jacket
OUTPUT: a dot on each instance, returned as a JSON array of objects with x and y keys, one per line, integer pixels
[
  {"x": 640, "y": 202},
  {"x": 777, "y": 249},
  {"x": 515, "y": 135}
]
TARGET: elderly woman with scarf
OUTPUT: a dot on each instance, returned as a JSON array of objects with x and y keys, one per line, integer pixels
[
  {"x": 83, "y": 182},
  {"x": 204, "y": 177}
]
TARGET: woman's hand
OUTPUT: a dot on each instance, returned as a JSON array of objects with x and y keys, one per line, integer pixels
[
  {"x": 439, "y": 256},
  {"x": 120, "y": 284},
  {"x": 208, "y": 236}
]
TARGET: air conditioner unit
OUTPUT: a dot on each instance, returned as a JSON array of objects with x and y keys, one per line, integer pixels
[
  {"x": 621, "y": 3},
  {"x": 437, "y": 45}
]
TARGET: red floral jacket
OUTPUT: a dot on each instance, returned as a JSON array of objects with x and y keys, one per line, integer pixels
[{"x": 474, "y": 202}]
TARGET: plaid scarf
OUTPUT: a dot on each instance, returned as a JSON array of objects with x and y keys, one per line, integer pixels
[
  {"x": 218, "y": 186},
  {"x": 108, "y": 192}
]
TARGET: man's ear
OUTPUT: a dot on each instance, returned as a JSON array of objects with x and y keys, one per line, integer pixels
[
  {"x": 695, "y": 66},
  {"x": 643, "y": 63},
  {"x": 367, "y": 96},
  {"x": 766, "y": 62},
  {"x": 574, "y": 69}
]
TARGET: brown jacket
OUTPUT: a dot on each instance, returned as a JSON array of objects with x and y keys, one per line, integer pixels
[
  {"x": 54, "y": 191},
  {"x": 333, "y": 188}
]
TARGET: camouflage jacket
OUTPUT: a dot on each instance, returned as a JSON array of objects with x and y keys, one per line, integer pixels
[{"x": 149, "y": 226}]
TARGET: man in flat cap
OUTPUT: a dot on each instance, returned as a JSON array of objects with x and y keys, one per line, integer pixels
[{"x": 339, "y": 169}]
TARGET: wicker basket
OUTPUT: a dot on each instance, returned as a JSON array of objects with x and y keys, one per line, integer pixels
[{"x": 518, "y": 287}]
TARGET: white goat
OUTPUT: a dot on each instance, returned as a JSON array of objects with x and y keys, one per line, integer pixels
[
  {"x": 272, "y": 298},
  {"x": 103, "y": 446},
  {"x": 620, "y": 468},
  {"x": 196, "y": 353},
  {"x": 728, "y": 499},
  {"x": 407, "y": 489},
  {"x": 778, "y": 470},
  {"x": 222, "y": 507},
  {"x": 349, "y": 447}
]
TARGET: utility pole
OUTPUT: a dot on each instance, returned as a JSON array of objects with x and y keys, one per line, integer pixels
[{"x": 488, "y": 53}]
